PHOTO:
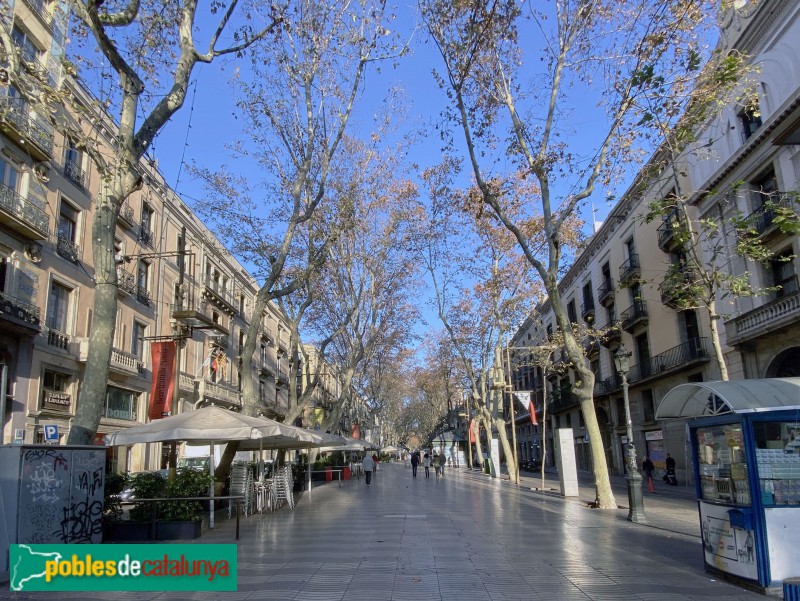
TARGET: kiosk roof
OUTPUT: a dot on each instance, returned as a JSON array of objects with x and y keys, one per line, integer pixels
[{"x": 699, "y": 399}]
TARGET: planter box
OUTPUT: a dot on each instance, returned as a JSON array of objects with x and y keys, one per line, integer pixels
[
  {"x": 126, "y": 531},
  {"x": 178, "y": 530},
  {"x": 140, "y": 531}
]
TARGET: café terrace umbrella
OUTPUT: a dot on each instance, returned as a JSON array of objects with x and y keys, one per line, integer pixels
[
  {"x": 390, "y": 449},
  {"x": 209, "y": 425}
]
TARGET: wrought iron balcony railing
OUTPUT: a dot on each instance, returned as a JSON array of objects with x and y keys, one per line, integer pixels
[
  {"x": 633, "y": 315},
  {"x": 17, "y": 113},
  {"x": 692, "y": 350},
  {"x": 75, "y": 174},
  {"x": 31, "y": 220},
  {"x": 630, "y": 269},
  {"x": 67, "y": 249}
]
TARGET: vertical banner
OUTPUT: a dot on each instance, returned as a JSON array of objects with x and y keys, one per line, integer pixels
[
  {"x": 473, "y": 430},
  {"x": 163, "y": 354},
  {"x": 355, "y": 431}
]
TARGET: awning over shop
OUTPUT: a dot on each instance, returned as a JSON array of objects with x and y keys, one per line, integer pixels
[{"x": 699, "y": 399}]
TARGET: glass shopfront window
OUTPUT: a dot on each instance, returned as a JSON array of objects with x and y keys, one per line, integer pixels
[
  {"x": 723, "y": 464},
  {"x": 778, "y": 457},
  {"x": 120, "y": 404}
]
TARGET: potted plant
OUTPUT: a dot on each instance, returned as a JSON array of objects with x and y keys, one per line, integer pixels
[{"x": 145, "y": 485}]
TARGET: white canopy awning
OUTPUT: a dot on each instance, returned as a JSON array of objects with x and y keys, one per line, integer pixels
[{"x": 699, "y": 399}]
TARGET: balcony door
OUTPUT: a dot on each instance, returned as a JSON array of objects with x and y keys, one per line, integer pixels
[{"x": 643, "y": 354}]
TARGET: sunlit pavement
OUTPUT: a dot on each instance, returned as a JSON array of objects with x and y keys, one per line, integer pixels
[{"x": 465, "y": 537}]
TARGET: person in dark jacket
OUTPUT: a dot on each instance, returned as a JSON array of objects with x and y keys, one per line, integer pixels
[
  {"x": 414, "y": 463},
  {"x": 669, "y": 477},
  {"x": 648, "y": 468}
]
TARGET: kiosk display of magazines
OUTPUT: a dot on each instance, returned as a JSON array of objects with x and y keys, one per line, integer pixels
[{"x": 745, "y": 444}]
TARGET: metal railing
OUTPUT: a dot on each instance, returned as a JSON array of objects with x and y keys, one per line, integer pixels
[
  {"x": 763, "y": 217},
  {"x": 67, "y": 249},
  {"x": 39, "y": 8},
  {"x": 126, "y": 361},
  {"x": 24, "y": 210},
  {"x": 17, "y": 113},
  {"x": 686, "y": 352},
  {"x": 126, "y": 214},
  {"x": 633, "y": 314},
  {"x": 630, "y": 267},
  {"x": 587, "y": 308},
  {"x": 146, "y": 235},
  {"x": 222, "y": 294},
  {"x": 75, "y": 174},
  {"x": 20, "y": 309},
  {"x": 605, "y": 291}
]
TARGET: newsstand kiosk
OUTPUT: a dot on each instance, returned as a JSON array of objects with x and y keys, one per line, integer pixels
[{"x": 745, "y": 445}]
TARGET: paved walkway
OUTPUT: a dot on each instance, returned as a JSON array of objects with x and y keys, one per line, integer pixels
[{"x": 466, "y": 537}]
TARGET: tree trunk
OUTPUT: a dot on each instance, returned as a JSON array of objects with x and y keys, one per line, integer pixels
[
  {"x": 95, "y": 377},
  {"x": 584, "y": 391},
  {"x": 715, "y": 342}
]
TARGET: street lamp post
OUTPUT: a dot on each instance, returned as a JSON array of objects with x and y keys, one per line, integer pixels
[{"x": 633, "y": 478}]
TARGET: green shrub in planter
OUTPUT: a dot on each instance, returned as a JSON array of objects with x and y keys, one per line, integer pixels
[
  {"x": 112, "y": 504},
  {"x": 147, "y": 485},
  {"x": 187, "y": 483}
]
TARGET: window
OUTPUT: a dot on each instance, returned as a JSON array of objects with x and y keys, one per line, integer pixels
[
  {"x": 73, "y": 164},
  {"x": 137, "y": 339},
  {"x": 53, "y": 380},
  {"x": 55, "y": 395},
  {"x": 142, "y": 275},
  {"x": 262, "y": 355},
  {"x": 146, "y": 227},
  {"x": 28, "y": 50},
  {"x": 58, "y": 307},
  {"x": 9, "y": 175},
  {"x": 643, "y": 355},
  {"x": 749, "y": 119},
  {"x": 120, "y": 404},
  {"x": 573, "y": 317},
  {"x": 588, "y": 299},
  {"x": 67, "y": 232},
  {"x": 648, "y": 405},
  {"x": 763, "y": 188},
  {"x": 621, "y": 412},
  {"x": 783, "y": 273}
]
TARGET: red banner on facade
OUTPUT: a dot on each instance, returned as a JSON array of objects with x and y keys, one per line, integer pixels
[
  {"x": 355, "y": 431},
  {"x": 473, "y": 428},
  {"x": 163, "y": 387}
]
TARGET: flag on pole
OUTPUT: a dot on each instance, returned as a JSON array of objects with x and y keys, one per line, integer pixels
[{"x": 525, "y": 399}]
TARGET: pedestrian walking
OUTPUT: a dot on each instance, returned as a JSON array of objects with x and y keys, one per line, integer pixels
[
  {"x": 375, "y": 459},
  {"x": 442, "y": 463},
  {"x": 437, "y": 467},
  {"x": 670, "y": 477},
  {"x": 426, "y": 463},
  {"x": 414, "y": 463},
  {"x": 368, "y": 464},
  {"x": 648, "y": 468}
]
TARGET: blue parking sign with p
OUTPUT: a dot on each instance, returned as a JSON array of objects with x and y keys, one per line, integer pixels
[{"x": 51, "y": 433}]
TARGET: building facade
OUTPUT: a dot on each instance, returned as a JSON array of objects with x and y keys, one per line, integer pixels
[
  {"x": 177, "y": 284},
  {"x": 615, "y": 291}
]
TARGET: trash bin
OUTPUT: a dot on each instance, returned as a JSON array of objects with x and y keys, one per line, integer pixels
[
  {"x": 328, "y": 474},
  {"x": 487, "y": 466},
  {"x": 791, "y": 589},
  {"x": 346, "y": 472}
]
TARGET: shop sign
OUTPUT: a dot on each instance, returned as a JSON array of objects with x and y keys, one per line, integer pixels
[
  {"x": 56, "y": 401},
  {"x": 654, "y": 435}
]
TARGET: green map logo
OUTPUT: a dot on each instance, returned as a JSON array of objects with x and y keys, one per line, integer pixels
[{"x": 123, "y": 567}]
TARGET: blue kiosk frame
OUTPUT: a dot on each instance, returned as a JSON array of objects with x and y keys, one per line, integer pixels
[{"x": 745, "y": 445}]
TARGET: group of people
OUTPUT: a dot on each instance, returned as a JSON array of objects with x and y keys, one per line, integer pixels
[
  {"x": 438, "y": 461},
  {"x": 669, "y": 476}
]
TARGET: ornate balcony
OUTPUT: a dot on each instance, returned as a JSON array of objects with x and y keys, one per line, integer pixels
[
  {"x": 26, "y": 128},
  {"x": 671, "y": 233},
  {"x": 634, "y": 316},
  {"x": 126, "y": 282},
  {"x": 145, "y": 235},
  {"x": 220, "y": 296},
  {"x": 219, "y": 341},
  {"x": 20, "y": 313},
  {"x": 121, "y": 362},
  {"x": 591, "y": 346},
  {"x": 211, "y": 392},
  {"x": 605, "y": 293},
  {"x": 126, "y": 216},
  {"x": 58, "y": 339},
  {"x": 562, "y": 401},
  {"x": 39, "y": 8},
  {"x": 677, "y": 290},
  {"x": 763, "y": 320},
  {"x": 630, "y": 270},
  {"x": 75, "y": 174},
  {"x": 763, "y": 222},
  {"x": 675, "y": 359},
  {"x": 67, "y": 249},
  {"x": 587, "y": 310},
  {"x": 21, "y": 215},
  {"x": 611, "y": 333}
]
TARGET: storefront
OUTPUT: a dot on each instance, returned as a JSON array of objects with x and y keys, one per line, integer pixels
[{"x": 745, "y": 445}]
